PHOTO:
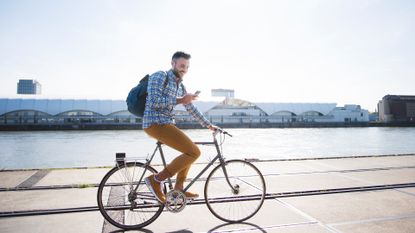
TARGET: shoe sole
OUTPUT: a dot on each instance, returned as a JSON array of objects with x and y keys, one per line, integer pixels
[{"x": 148, "y": 183}]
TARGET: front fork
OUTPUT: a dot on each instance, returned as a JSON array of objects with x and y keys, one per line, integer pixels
[{"x": 235, "y": 188}]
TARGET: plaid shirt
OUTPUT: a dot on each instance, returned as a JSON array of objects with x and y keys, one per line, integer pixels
[{"x": 161, "y": 100}]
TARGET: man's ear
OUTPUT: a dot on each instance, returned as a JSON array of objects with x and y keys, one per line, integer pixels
[{"x": 172, "y": 63}]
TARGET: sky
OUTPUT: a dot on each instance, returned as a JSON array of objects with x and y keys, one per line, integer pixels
[{"x": 302, "y": 51}]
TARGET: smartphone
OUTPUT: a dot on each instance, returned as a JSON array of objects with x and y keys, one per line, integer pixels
[{"x": 197, "y": 92}]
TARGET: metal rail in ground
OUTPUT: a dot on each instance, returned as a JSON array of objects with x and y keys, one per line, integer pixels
[{"x": 230, "y": 199}]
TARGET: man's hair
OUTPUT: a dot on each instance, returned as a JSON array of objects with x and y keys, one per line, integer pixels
[{"x": 180, "y": 54}]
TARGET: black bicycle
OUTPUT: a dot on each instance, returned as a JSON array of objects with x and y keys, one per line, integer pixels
[{"x": 234, "y": 190}]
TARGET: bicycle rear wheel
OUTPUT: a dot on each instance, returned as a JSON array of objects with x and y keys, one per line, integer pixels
[
  {"x": 241, "y": 198},
  {"x": 122, "y": 203}
]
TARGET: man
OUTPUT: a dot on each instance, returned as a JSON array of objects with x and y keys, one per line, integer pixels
[{"x": 165, "y": 90}]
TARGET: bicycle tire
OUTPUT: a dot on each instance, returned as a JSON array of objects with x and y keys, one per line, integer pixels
[
  {"x": 230, "y": 206},
  {"x": 116, "y": 199}
]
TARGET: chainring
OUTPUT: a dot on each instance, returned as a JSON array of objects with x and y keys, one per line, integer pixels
[{"x": 175, "y": 201}]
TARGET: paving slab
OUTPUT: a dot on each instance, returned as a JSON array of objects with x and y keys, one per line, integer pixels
[
  {"x": 405, "y": 225},
  {"x": 284, "y": 228},
  {"x": 410, "y": 191},
  {"x": 86, "y": 222},
  {"x": 11, "y": 179},
  {"x": 366, "y": 163},
  {"x": 300, "y": 228},
  {"x": 382, "y": 177},
  {"x": 284, "y": 167},
  {"x": 73, "y": 176},
  {"x": 359, "y": 206},
  {"x": 47, "y": 199},
  {"x": 305, "y": 182}
]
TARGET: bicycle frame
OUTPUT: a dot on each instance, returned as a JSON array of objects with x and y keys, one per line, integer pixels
[{"x": 219, "y": 157}]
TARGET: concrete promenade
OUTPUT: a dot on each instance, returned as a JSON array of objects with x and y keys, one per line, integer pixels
[{"x": 361, "y": 194}]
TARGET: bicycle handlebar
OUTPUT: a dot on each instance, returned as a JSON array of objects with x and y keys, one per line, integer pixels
[{"x": 220, "y": 130}]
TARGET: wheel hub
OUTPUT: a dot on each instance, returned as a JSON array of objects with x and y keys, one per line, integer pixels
[{"x": 235, "y": 189}]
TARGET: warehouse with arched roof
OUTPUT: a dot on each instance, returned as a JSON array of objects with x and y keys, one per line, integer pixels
[{"x": 32, "y": 110}]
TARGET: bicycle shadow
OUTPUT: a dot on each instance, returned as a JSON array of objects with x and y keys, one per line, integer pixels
[
  {"x": 244, "y": 226},
  {"x": 149, "y": 231},
  {"x": 137, "y": 230},
  {"x": 251, "y": 227}
]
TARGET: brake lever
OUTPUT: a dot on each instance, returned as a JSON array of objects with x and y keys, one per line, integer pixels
[{"x": 226, "y": 133}]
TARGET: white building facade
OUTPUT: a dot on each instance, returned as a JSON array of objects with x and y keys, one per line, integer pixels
[{"x": 228, "y": 111}]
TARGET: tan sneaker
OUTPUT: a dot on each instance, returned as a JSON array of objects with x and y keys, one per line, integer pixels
[
  {"x": 156, "y": 188},
  {"x": 190, "y": 195}
]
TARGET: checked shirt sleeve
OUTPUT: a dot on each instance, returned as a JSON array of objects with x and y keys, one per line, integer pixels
[
  {"x": 196, "y": 113},
  {"x": 155, "y": 98}
]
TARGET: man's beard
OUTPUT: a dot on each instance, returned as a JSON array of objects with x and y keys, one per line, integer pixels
[{"x": 177, "y": 73}]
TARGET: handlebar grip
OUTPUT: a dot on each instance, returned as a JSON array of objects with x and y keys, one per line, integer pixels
[
  {"x": 223, "y": 131},
  {"x": 230, "y": 135}
]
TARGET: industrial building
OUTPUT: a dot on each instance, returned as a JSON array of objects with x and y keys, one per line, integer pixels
[
  {"x": 227, "y": 93},
  {"x": 397, "y": 109},
  {"x": 26, "y": 111}
]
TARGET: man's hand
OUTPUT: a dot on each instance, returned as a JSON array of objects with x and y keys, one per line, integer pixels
[
  {"x": 186, "y": 99},
  {"x": 213, "y": 127}
]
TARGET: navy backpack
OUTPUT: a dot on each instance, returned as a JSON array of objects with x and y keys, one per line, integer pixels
[{"x": 136, "y": 99}]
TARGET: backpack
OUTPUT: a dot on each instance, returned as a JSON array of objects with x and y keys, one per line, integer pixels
[{"x": 136, "y": 99}]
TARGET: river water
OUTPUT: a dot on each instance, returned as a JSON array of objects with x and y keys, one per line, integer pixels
[{"x": 62, "y": 149}]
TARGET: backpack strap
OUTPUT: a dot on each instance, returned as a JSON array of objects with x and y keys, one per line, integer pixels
[{"x": 165, "y": 81}]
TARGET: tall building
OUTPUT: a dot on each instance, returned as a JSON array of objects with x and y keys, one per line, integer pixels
[
  {"x": 397, "y": 108},
  {"x": 28, "y": 87}
]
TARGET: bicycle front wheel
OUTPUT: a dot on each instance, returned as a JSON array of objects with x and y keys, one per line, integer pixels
[
  {"x": 236, "y": 196},
  {"x": 124, "y": 201}
]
